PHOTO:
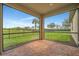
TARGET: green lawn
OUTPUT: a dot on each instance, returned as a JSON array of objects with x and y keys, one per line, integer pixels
[
  {"x": 55, "y": 36},
  {"x": 15, "y": 30},
  {"x": 16, "y": 39}
]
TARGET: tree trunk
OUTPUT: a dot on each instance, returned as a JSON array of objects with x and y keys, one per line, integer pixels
[{"x": 35, "y": 27}]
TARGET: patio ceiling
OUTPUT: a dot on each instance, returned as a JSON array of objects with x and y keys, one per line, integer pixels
[{"x": 46, "y": 9}]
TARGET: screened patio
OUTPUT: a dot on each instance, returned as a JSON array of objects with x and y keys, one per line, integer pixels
[{"x": 42, "y": 44}]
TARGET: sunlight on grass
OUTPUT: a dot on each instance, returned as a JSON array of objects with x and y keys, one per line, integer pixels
[
  {"x": 16, "y": 39},
  {"x": 19, "y": 39},
  {"x": 63, "y": 37}
]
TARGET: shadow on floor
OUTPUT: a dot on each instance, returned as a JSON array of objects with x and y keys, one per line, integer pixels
[
  {"x": 70, "y": 43},
  {"x": 43, "y": 48}
]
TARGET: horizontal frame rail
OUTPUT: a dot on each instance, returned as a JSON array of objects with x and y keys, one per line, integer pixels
[
  {"x": 38, "y": 32},
  {"x": 18, "y": 33},
  {"x": 64, "y": 32}
]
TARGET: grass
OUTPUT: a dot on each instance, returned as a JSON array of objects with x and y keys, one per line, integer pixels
[
  {"x": 15, "y": 30},
  {"x": 55, "y": 36},
  {"x": 16, "y": 39}
]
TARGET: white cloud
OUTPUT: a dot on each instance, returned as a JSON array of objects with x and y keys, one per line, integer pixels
[
  {"x": 27, "y": 19},
  {"x": 18, "y": 23}
]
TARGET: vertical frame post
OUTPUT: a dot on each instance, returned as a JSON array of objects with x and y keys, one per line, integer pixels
[
  {"x": 1, "y": 29},
  {"x": 42, "y": 33}
]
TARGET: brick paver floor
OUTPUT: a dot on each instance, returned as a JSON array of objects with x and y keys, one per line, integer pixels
[{"x": 43, "y": 48}]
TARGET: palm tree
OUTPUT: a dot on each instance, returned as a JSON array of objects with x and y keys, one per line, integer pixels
[
  {"x": 51, "y": 25},
  {"x": 35, "y": 21}
]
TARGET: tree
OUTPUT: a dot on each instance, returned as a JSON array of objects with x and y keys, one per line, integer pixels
[
  {"x": 66, "y": 24},
  {"x": 57, "y": 26},
  {"x": 51, "y": 25},
  {"x": 26, "y": 28},
  {"x": 35, "y": 21},
  {"x": 18, "y": 29}
]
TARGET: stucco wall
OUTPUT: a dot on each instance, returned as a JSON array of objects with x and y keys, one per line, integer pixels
[{"x": 74, "y": 27}]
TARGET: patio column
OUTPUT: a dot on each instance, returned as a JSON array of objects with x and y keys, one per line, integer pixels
[
  {"x": 75, "y": 27},
  {"x": 1, "y": 26},
  {"x": 42, "y": 33}
]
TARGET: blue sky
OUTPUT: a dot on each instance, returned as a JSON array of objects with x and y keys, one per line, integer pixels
[
  {"x": 57, "y": 19},
  {"x": 15, "y": 18}
]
